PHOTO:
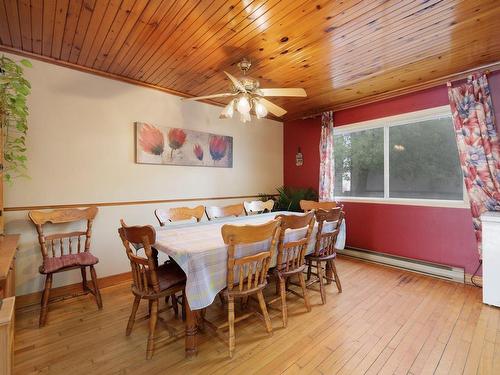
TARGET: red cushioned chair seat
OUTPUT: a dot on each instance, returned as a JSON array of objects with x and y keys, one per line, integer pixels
[{"x": 55, "y": 264}]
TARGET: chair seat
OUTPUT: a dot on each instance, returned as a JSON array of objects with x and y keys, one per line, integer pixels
[
  {"x": 54, "y": 264},
  {"x": 169, "y": 275},
  {"x": 321, "y": 257}
]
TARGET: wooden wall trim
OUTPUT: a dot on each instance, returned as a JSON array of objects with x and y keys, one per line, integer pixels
[
  {"x": 69, "y": 291},
  {"x": 125, "y": 203}
]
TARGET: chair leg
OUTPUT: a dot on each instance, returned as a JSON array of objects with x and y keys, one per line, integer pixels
[
  {"x": 175, "y": 305},
  {"x": 45, "y": 300},
  {"x": 244, "y": 303},
  {"x": 230, "y": 320},
  {"x": 201, "y": 320},
  {"x": 221, "y": 299},
  {"x": 96, "y": 287},
  {"x": 131, "y": 320},
  {"x": 328, "y": 272},
  {"x": 262, "y": 303},
  {"x": 336, "y": 275},
  {"x": 83, "y": 270},
  {"x": 321, "y": 283},
  {"x": 284, "y": 312},
  {"x": 152, "y": 328},
  {"x": 304, "y": 291},
  {"x": 183, "y": 306},
  {"x": 309, "y": 270}
]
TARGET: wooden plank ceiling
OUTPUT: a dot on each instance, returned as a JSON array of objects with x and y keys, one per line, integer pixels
[{"x": 341, "y": 52}]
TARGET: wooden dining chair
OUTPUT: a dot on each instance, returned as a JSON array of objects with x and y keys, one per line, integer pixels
[
  {"x": 291, "y": 258},
  {"x": 149, "y": 281},
  {"x": 313, "y": 205},
  {"x": 165, "y": 216},
  {"x": 324, "y": 250},
  {"x": 66, "y": 251},
  {"x": 258, "y": 206},
  {"x": 215, "y": 212},
  {"x": 247, "y": 274}
]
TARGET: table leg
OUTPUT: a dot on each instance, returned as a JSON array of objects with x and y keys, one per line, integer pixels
[{"x": 191, "y": 345}]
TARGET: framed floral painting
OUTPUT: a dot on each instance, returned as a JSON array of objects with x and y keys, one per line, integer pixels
[{"x": 178, "y": 146}]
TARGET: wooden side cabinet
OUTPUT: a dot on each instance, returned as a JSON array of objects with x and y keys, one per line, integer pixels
[
  {"x": 8, "y": 248},
  {"x": 7, "y": 335}
]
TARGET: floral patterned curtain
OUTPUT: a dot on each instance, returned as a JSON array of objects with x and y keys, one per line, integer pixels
[
  {"x": 478, "y": 147},
  {"x": 326, "y": 172}
]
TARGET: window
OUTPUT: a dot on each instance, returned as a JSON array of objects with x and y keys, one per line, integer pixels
[{"x": 403, "y": 158}]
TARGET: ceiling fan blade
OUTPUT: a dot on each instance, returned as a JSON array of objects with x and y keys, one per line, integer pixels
[
  {"x": 211, "y": 96},
  {"x": 284, "y": 92},
  {"x": 273, "y": 108},
  {"x": 236, "y": 82}
]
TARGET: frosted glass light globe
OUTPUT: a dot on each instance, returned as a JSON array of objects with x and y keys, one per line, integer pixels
[
  {"x": 260, "y": 109},
  {"x": 228, "y": 110},
  {"x": 243, "y": 105}
]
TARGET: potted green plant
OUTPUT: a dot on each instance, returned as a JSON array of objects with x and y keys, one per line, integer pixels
[
  {"x": 288, "y": 198},
  {"x": 14, "y": 90}
]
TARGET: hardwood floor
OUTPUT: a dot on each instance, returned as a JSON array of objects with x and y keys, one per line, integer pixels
[{"x": 385, "y": 321}]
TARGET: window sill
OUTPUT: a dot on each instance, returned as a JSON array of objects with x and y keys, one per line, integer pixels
[{"x": 406, "y": 202}]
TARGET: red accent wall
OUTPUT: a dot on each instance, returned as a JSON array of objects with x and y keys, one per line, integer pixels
[{"x": 435, "y": 234}]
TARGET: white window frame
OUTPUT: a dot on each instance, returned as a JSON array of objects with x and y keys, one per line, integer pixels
[{"x": 386, "y": 123}]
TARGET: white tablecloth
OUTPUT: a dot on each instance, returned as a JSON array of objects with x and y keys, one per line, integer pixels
[{"x": 200, "y": 251}]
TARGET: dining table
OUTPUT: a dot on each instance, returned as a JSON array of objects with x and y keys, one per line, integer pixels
[{"x": 198, "y": 248}]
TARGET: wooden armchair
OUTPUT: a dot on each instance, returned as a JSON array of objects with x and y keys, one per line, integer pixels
[
  {"x": 258, "y": 206},
  {"x": 150, "y": 282},
  {"x": 313, "y": 205},
  {"x": 246, "y": 275},
  {"x": 215, "y": 212},
  {"x": 65, "y": 251},
  {"x": 179, "y": 213},
  {"x": 324, "y": 250},
  {"x": 291, "y": 258}
]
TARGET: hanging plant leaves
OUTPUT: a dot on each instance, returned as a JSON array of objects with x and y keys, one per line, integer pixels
[{"x": 14, "y": 89}]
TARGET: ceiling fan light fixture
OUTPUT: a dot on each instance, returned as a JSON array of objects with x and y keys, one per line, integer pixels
[
  {"x": 243, "y": 105},
  {"x": 260, "y": 109},
  {"x": 245, "y": 117},
  {"x": 228, "y": 110}
]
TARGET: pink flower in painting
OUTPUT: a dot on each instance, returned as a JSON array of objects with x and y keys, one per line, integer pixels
[
  {"x": 176, "y": 138},
  {"x": 198, "y": 151},
  {"x": 218, "y": 147},
  {"x": 151, "y": 139}
]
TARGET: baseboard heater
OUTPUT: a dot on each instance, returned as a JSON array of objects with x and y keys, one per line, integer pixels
[{"x": 427, "y": 268}]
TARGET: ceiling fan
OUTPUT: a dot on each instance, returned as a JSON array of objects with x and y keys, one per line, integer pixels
[{"x": 248, "y": 95}]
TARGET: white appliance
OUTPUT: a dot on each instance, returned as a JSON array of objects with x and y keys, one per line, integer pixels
[{"x": 491, "y": 258}]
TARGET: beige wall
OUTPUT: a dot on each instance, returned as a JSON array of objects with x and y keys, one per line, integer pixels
[{"x": 81, "y": 149}]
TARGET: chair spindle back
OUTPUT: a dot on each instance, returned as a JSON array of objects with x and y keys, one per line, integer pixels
[
  {"x": 251, "y": 270},
  {"x": 144, "y": 273},
  {"x": 215, "y": 212},
  {"x": 258, "y": 206},
  {"x": 59, "y": 244},
  {"x": 313, "y": 205},
  {"x": 291, "y": 254},
  {"x": 179, "y": 213},
  {"x": 325, "y": 240}
]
